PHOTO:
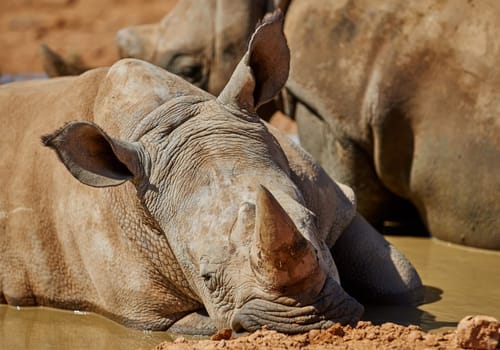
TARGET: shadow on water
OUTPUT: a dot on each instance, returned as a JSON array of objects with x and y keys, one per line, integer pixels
[
  {"x": 409, "y": 315},
  {"x": 459, "y": 281}
]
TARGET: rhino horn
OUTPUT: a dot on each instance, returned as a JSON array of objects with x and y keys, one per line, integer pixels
[{"x": 281, "y": 255}]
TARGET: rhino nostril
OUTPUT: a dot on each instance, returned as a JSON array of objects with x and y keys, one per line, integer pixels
[{"x": 236, "y": 325}]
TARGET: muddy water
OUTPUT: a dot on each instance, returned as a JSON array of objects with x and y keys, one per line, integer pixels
[
  {"x": 458, "y": 282},
  {"x": 44, "y": 329}
]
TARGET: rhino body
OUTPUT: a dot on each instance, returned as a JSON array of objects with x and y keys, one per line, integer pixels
[
  {"x": 172, "y": 201},
  {"x": 396, "y": 100},
  {"x": 406, "y": 107}
]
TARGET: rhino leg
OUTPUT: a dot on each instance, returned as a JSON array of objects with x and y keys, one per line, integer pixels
[
  {"x": 373, "y": 270},
  {"x": 348, "y": 162},
  {"x": 195, "y": 323}
]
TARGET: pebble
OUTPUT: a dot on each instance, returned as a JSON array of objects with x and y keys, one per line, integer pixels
[
  {"x": 478, "y": 332},
  {"x": 180, "y": 340}
]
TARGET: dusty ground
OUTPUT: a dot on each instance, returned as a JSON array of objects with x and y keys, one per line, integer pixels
[
  {"x": 74, "y": 28},
  {"x": 472, "y": 333},
  {"x": 364, "y": 337},
  {"x": 85, "y": 30}
]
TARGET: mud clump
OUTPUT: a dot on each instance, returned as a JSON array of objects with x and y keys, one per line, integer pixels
[
  {"x": 365, "y": 336},
  {"x": 478, "y": 332}
]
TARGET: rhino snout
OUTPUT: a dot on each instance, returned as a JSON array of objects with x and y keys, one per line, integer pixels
[
  {"x": 333, "y": 305},
  {"x": 130, "y": 43}
]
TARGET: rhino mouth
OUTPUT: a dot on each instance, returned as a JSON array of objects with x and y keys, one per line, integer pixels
[{"x": 333, "y": 305}]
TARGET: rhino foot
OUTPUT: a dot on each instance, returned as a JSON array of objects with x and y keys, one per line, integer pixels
[{"x": 372, "y": 270}]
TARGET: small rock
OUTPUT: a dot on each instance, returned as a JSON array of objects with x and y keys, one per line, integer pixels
[
  {"x": 222, "y": 334},
  {"x": 314, "y": 333},
  {"x": 478, "y": 332},
  {"x": 336, "y": 329},
  {"x": 180, "y": 340},
  {"x": 430, "y": 340},
  {"x": 363, "y": 324},
  {"x": 414, "y": 336}
]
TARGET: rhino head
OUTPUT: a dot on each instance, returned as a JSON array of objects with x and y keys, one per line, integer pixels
[
  {"x": 202, "y": 43},
  {"x": 211, "y": 176}
]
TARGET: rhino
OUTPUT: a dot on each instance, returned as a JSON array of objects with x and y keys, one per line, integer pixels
[
  {"x": 407, "y": 110},
  {"x": 205, "y": 54},
  {"x": 179, "y": 210},
  {"x": 404, "y": 109}
]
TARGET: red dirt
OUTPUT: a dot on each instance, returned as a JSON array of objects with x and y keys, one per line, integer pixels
[
  {"x": 365, "y": 336},
  {"x": 73, "y": 28}
]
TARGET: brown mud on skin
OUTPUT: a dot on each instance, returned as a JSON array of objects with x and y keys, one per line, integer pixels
[{"x": 365, "y": 336}]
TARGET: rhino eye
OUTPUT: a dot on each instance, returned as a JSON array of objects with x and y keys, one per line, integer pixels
[
  {"x": 192, "y": 73},
  {"x": 209, "y": 280},
  {"x": 190, "y": 67},
  {"x": 208, "y": 273}
]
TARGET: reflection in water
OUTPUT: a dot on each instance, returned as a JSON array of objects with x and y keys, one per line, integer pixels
[{"x": 458, "y": 282}]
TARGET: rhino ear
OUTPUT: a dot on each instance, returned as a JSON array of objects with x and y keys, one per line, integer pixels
[
  {"x": 93, "y": 157},
  {"x": 263, "y": 70}
]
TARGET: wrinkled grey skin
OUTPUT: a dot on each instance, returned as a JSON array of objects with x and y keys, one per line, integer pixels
[
  {"x": 201, "y": 42},
  {"x": 172, "y": 201},
  {"x": 396, "y": 100},
  {"x": 405, "y": 107}
]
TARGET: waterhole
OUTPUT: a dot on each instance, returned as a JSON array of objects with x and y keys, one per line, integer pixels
[{"x": 458, "y": 282}]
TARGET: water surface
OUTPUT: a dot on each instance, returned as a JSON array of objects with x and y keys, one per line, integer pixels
[
  {"x": 458, "y": 282},
  {"x": 40, "y": 328}
]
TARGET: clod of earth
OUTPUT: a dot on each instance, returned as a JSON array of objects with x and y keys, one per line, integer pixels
[
  {"x": 478, "y": 332},
  {"x": 473, "y": 332}
]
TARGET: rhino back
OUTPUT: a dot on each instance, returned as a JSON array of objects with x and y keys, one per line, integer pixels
[
  {"x": 69, "y": 244},
  {"x": 407, "y": 106},
  {"x": 31, "y": 181}
]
